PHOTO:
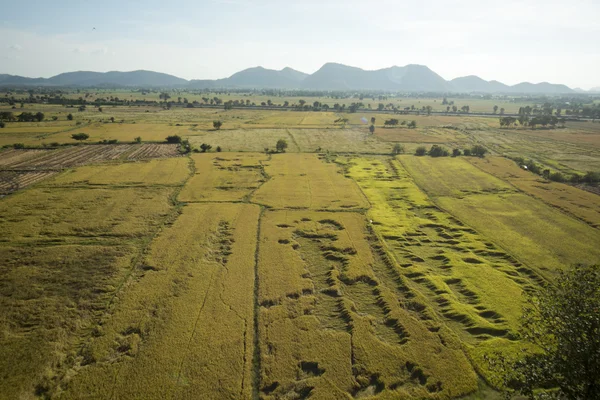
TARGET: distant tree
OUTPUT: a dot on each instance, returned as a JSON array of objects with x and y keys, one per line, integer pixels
[
  {"x": 561, "y": 321},
  {"x": 217, "y": 124},
  {"x": 99, "y": 109},
  {"x": 412, "y": 124},
  {"x": 465, "y": 109},
  {"x": 372, "y": 120},
  {"x": 302, "y": 102},
  {"x": 454, "y": 108},
  {"x": 428, "y": 110},
  {"x": 478, "y": 150},
  {"x": 286, "y": 103},
  {"x": 495, "y": 109},
  {"x": 218, "y": 149},
  {"x": 19, "y": 145},
  {"x": 372, "y": 129},
  {"x": 54, "y": 118},
  {"x": 467, "y": 152},
  {"x": 39, "y": 116},
  {"x": 398, "y": 149},
  {"x": 173, "y": 139},
  {"x": 380, "y": 106},
  {"x": 281, "y": 146},
  {"x": 80, "y": 136},
  {"x": 112, "y": 119},
  {"x": 205, "y": 147},
  {"x": 502, "y": 111},
  {"x": 2, "y": 124},
  {"x": 420, "y": 151},
  {"x": 228, "y": 105},
  {"x": 456, "y": 152},
  {"x": 438, "y": 151},
  {"x": 390, "y": 122},
  {"x": 138, "y": 139}
]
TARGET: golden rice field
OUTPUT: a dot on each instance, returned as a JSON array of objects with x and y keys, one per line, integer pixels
[{"x": 332, "y": 271}]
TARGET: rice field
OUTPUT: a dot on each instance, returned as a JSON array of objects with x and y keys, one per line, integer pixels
[
  {"x": 331, "y": 271},
  {"x": 303, "y": 181}
]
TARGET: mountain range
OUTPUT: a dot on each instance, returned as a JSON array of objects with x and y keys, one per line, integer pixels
[{"x": 331, "y": 76}]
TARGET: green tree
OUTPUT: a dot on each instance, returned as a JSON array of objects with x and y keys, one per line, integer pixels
[
  {"x": 372, "y": 120},
  {"x": 138, "y": 139},
  {"x": 217, "y": 124},
  {"x": 39, "y": 116},
  {"x": 398, "y": 149},
  {"x": 80, "y": 136},
  {"x": 2, "y": 124},
  {"x": 372, "y": 129},
  {"x": 438, "y": 151},
  {"x": 173, "y": 139},
  {"x": 467, "y": 152},
  {"x": 219, "y": 149},
  {"x": 456, "y": 153},
  {"x": 205, "y": 147},
  {"x": 478, "y": 150},
  {"x": 495, "y": 109},
  {"x": 420, "y": 151},
  {"x": 412, "y": 124},
  {"x": 562, "y": 322},
  {"x": 281, "y": 145}
]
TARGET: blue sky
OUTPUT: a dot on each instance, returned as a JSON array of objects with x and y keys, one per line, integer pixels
[{"x": 510, "y": 41}]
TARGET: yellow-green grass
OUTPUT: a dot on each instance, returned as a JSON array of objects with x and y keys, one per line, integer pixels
[
  {"x": 184, "y": 327},
  {"x": 536, "y": 234},
  {"x": 473, "y": 287},
  {"x": 304, "y": 181},
  {"x": 420, "y": 135},
  {"x": 50, "y": 297},
  {"x": 451, "y": 176},
  {"x": 50, "y": 214},
  {"x": 334, "y": 322},
  {"x": 170, "y": 171},
  {"x": 579, "y": 203},
  {"x": 223, "y": 177}
]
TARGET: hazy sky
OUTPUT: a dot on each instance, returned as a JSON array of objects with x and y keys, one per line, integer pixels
[{"x": 507, "y": 40}]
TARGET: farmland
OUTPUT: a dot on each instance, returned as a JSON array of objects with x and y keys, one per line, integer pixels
[{"x": 333, "y": 270}]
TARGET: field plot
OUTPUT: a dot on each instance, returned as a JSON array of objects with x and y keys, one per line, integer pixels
[
  {"x": 337, "y": 321},
  {"x": 11, "y": 181},
  {"x": 304, "y": 181},
  {"x": 452, "y": 176},
  {"x": 49, "y": 297},
  {"x": 338, "y": 140},
  {"x": 11, "y": 157},
  {"x": 472, "y": 286},
  {"x": 184, "y": 329},
  {"x": 170, "y": 171},
  {"x": 148, "y": 150},
  {"x": 539, "y": 236},
  {"x": 49, "y": 215},
  {"x": 299, "y": 140},
  {"x": 579, "y": 203},
  {"x": 536, "y": 234},
  {"x": 420, "y": 135},
  {"x": 73, "y": 156},
  {"x": 224, "y": 177}
]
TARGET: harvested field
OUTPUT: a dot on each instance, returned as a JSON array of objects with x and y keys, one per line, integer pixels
[
  {"x": 151, "y": 150},
  {"x": 73, "y": 156},
  {"x": 11, "y": 181},
  {"x": 224, "y": 177},
  {"x": 11, "y": 157},
  {"x": 304, "y": 181},
  {"x": 184, "y": 329}
]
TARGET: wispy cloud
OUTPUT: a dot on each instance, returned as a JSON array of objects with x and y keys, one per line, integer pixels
[{"x": 15, "y": 47}]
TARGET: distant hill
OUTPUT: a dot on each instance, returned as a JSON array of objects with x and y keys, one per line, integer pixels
[
  {"x": 87, "y": 78},
  {"x": 595, "y": 89},
  {"x": 331, "y": 76},
  {"x": 257, "y": 77}
]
